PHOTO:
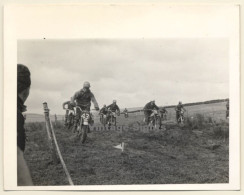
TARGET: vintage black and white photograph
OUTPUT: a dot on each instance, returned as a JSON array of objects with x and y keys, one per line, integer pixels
[
  {"x": 122, "y": 97},
  {"x": 135, "y": 111}
]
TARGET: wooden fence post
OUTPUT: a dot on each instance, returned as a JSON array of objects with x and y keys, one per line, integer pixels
[
  {"x": 49, "y": 134},
  {"x": 55, "y": 116}
]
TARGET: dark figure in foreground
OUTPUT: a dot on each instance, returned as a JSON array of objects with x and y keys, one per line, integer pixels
[
  {"x": 148, "y": 109},
  {"x": 23, "y": 89}
]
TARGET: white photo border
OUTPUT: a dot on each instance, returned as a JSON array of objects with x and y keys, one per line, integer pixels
[{"x": 19, "y": 25}]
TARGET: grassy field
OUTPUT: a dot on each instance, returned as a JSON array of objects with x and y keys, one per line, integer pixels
[{"x": 197, "y": 152}]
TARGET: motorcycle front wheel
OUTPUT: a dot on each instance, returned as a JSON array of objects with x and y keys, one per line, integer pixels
[{"x": 83, "y": 135}]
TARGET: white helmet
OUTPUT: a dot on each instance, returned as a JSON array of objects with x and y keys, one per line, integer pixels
[{"x": 86, "y": 84}]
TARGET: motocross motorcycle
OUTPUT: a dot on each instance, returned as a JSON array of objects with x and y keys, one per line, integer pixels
[
  {"x": 103, "y": 119},
  {"x": 112, "y": 118},
  {"x": 83, "y": 124},
  {"x": 180, "y": 119},
  {"x": 70, "y": 119},
  {"x": 125, "y": 112},
  {"x": 155, "y": 118}
]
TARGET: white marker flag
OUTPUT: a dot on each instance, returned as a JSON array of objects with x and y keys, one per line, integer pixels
[{"x": 120, "y": 146}]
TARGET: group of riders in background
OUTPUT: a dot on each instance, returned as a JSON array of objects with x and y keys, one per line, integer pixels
[{"x": 79, "y": 117}]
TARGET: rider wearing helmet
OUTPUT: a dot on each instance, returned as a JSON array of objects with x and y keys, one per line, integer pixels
[
  {"x": 179, "y": 108},
  {"x": 148, "y": 110},
  {"x": 104, "y": 110},
  {"x": 114, "y": 107},
  {"x": 83, "y": 99},
  {"x": 69, "y": 108}
]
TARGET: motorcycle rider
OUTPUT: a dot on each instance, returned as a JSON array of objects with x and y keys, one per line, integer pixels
[
  {"x": 163, "y": 112},
  {"x": 179, "y": 108},
  {"x": 114, "y": 107},
  {"x": 103, "y": 112},
  {"x": 83, "y": 99},
  {"x": 148, "y": 110},
  {"x": 126, "y": 113},
  {"x": 70, "y": 107}
]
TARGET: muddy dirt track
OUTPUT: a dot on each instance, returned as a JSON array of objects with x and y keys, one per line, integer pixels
[{"x": 174, "y": 155}]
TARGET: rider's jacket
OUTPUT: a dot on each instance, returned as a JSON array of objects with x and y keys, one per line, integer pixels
[
  {"x": 68, "y": 103},
  {"x": 104, "y": 110},
  {"x": 150, "y": 106},
  {"x": 113, "y": 107},
  {"x": 179, "y": 107},
  {"x": 84, "y": 98},
  {"x": 21, "y": 137}
]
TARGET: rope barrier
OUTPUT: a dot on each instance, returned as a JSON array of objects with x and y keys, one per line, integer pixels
[
  {"x": 52, "y": 138},
  {"x": 61, "y": 158}
]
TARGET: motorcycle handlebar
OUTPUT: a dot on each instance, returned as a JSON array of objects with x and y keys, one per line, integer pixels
[{"x": 94, "y": 110}]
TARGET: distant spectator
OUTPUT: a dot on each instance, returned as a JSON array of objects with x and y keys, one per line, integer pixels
[{"x": 23, "y": 89}]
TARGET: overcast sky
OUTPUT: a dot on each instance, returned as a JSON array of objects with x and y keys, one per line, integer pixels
[{"x": 131, "y": 71}]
